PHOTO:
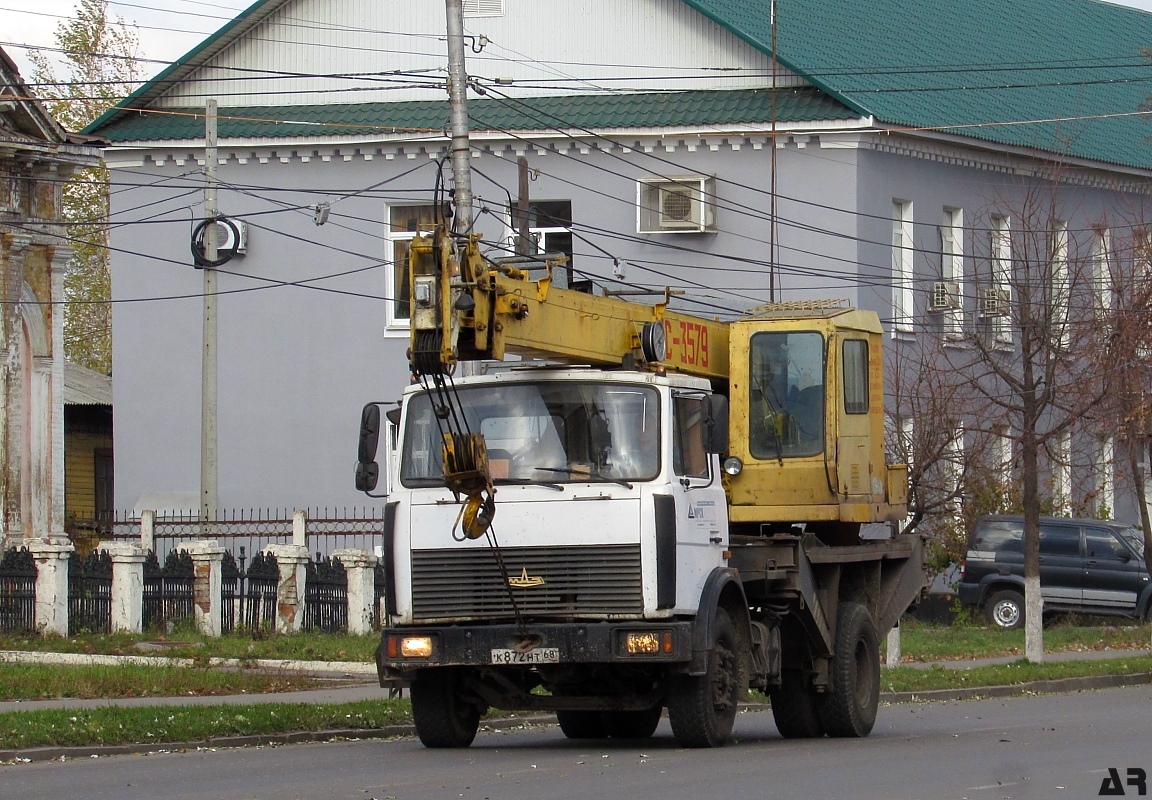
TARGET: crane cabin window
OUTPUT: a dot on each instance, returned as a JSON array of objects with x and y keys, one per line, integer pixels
[
  {"x": 856, "y": 376},
  {"x": 786, "y": 406}
]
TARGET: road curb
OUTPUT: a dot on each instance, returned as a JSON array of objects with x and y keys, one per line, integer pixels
[
  {"x": 354, "y": 668},
  {"x": 39, "y": 754}
]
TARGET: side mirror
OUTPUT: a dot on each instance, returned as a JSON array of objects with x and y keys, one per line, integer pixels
[
  {"x": 367, "y": 470},
  {"x": 716, "y": 423}
]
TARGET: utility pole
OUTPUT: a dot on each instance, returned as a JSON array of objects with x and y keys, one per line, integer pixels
[
  {"x": 458, "y": 97},
  {"x": 208, "y": 356}
]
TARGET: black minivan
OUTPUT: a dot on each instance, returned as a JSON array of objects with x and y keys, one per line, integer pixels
[{"x": 1086, "y": 565}]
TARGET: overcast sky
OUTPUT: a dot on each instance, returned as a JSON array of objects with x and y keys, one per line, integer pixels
[{"x": 168, "y": 28}]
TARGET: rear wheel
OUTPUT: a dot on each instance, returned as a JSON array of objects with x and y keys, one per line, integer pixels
[
  {"x": 849, "y": 707},
  {"x": 631, "y": 724},
  {"x": 444, "y": 715},
  {"x": 702, "y": 708},
  {"x": 581, "y": 724},
  {"x": 794, "y": 707},
  {"x": 1005, "y": 609}
]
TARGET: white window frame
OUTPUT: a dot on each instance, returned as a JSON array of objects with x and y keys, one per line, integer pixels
[
  {"x": 1105, "y": 476},
  {"x": 1101, "y": 271},
  {"x": 396, "y": 325},
  {"x": 952, "y": 268},
  {"x": 1002, "y": 271},
  {"x": 1062, "y": 473},
  {"x": 903, "y": 265},
  {"x": 1061, "y": 286}
]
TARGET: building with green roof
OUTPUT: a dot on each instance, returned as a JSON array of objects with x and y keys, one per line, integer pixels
[{"x": 887, "y": 153}]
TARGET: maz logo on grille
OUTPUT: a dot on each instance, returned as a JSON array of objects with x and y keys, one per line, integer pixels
[{"x": 525, "y": 581}]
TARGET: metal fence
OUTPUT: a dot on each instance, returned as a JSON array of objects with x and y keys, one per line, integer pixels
[
  {"x": 17, "y": 591},
  {"x": 325, "y": 596},
  {"x": 168, "y": 590},
  {"x": 326, "y": 530},
  {"x": 249, "y": 592},
  {"x": 90, "y": 593}
]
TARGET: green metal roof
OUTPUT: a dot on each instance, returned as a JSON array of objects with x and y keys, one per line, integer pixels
[
  {"x": 533, "y": 114},
  {"x": 1064, "y": 76}
]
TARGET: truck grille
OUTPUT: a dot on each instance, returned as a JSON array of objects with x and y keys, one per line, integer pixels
[{"x": 585, "y": 581}]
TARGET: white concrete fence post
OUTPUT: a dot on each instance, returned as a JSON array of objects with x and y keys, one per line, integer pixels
[
  {"x": 51, "y": 557},
  {"x": 127, "y": 585},
  {"x": 359, "y": 566},
  {"x": 893, "y": 656},
  {"x": 208, "y": 602},
  {"x": 148, "y": 530},
  {"x": 291, "y": 558},
  {"x": 300, "y": 528}
]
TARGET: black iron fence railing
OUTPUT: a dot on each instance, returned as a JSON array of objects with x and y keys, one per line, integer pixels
[
  {"x": 325, "y": 596},
  {"x": 90, "y": 593},
  {"x": 168, "y": 590},
  {"x": 249, "y": 592},
  {"x": 17, "y": 591}
]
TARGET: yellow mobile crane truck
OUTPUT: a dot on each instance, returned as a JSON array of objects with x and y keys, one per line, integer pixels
[{"x": 664, "y": 514}]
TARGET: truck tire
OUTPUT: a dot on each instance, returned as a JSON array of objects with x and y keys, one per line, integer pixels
[
  {"x": 849, "y": 707},
  {"x": 794, "y": 707},
  {"x": 702, "y": 708},
  {"x": 443, "y": 715},
  {"x": 631, "y": 724},
  {"x": 581, "y": 724},
  {"x": 1005, "y": 609}
]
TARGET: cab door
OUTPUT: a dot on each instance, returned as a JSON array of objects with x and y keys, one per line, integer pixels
[{"x": 700, "y": 507}]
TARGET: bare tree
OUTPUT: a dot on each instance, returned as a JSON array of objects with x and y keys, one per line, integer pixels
[
  {"x": 100, "y": 55},
  {"x": 1036, "y": 357}
]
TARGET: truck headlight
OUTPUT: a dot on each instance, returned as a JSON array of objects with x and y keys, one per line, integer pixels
[
  {"x": 644, "y": 643},
  {"x": 410, "y": 647}
]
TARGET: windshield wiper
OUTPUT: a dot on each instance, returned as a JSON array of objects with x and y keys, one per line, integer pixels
[
  {"x": 585, "y": 474},
  {"x": 526, "y": 482}
]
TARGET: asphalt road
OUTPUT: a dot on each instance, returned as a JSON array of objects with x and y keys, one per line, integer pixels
[{"x": 1047, "y": 746}]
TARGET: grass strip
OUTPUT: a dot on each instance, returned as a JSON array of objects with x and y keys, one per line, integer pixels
[
  {"x": 185, "y": 642},
  {"x": 922, "y": 642},
  {"x": 46, "y": 681},
  {"x": 159, "y": 725},
  {"x": 166, "y": 724},
  {"x": 913, "y": 679}
]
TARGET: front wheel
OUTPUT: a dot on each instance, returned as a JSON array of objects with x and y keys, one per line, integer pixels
[
  {"x": 631, "y": 724},
  {"x": 1005, "y": 609},
  {"x": 849, "y": 707},
  {"x": 702, "y": 708},
  {"x": 444, "y": 714}
]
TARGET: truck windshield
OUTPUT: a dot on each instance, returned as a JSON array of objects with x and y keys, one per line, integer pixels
[{"x": 547, "y": 432}]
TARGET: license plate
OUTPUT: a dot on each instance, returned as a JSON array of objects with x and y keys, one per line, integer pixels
[{"x": 541, "y": 655}]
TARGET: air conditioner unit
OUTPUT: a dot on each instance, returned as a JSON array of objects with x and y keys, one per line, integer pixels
[
  {"x": 995, "y": 303},
  {"x": 675, "y": 205},
  {"x": 945, "y": 296},
  {"x": 229, "y": 241}
]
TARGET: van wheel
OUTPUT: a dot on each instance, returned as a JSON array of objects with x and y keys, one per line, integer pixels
[
  {"x": 849, "y": 707},
  {"x": 1005, "y": 609}
]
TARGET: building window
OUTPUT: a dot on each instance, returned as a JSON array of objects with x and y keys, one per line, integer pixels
[
  {"x": 1101, "y": 271},
  {"x": 951, "y": 296},
  {"x": 903, "y": 301},
  {"x": 404, "y": 222},
  {"x": 1105, "y": 485},
  {"x": 998, "y": 301},
  {"x": 1062, "y": 473},
  {"x": 1061, "y": 286},
  {"x": 549, "y": 235}
]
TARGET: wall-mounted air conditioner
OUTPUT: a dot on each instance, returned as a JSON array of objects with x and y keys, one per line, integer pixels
[
  {"x": 677, "y": 204},
  {"x": 945, "y": 296},
  {"x": 229, "y": 240}
]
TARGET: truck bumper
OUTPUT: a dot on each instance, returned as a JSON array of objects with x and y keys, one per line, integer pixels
[{"x": 571, "y": 643}]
